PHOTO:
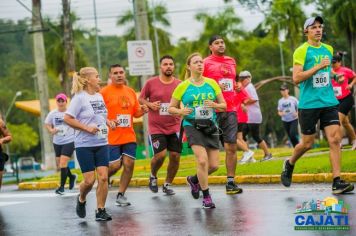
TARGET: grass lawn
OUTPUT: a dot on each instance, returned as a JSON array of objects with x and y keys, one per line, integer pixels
[{"x": 312, "y": 164}]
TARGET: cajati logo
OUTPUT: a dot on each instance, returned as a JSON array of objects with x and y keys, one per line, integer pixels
[{"x": 327, "y": 214}]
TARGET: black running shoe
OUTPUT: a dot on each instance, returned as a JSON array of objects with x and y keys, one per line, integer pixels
[
  {"x": 194, "y": 187},
  {"x": 232, "y": 188},
  {"x": 72, "y": 181},
  {"x": 286, "y": 176},
  {"x": 81, "y": 212},
  {"x": 341, "y": 186},
  {"x": 59, "y": 191},
  {"x": 102, "y": 215},
  {"x": 153, "y": 185}
]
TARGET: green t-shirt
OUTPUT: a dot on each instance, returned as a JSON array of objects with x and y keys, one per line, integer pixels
[
  {"x": 316, "y": 91},
  {"x": 193, "y": 96}
]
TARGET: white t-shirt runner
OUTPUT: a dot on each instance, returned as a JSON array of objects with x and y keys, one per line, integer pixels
[
  {"x": 290, "y": 107},
  {"x": 65, "y": 133},
  {"x": 89, "y": 110},
  {"x": 253, "y": 110}
]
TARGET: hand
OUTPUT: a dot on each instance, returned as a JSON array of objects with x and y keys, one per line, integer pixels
[
  {"x": 144, "y": 108},
  {"x": 186, "y": 111},
  {"x": 209, "y": 104},
  {"x": 92, "y": 130},
  {"x": 325, "y": 62},
  {"x": 349, "y": 87},
  {"x": 341, "y": 78},
  {"x": 53, "y": 131},
  {"x": 1, "y": 141},
  {"x": 223, "y": 86},
  {"x": 295, "y": 114},
  {"x": 155, "y": 106},
  {"x": 111, "y": 124}
]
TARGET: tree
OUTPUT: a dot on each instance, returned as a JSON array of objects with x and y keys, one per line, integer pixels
[
  {"x": 24, "y": 138},
  {"x": 287, "y": 16}
]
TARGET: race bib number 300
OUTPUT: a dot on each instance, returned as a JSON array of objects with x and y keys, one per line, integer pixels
[
  {"x": 228, "y": 85},
  {"x": 321, "y": 79},
  {"x": 124, "y": 120},
  {"x": 203, "y": 113},
  {"x": 163, "y": 111}
]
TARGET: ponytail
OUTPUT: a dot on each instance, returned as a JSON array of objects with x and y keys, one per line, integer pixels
[{"x": 80, "y": 79}]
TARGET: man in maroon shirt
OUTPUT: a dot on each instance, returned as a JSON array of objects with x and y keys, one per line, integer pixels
[
  {"x": 222, "y": 69},
  {"x": 162, "y": 127}
]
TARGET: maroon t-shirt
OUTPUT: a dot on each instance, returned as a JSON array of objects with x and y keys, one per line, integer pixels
[{"x": 160, "y": 122}]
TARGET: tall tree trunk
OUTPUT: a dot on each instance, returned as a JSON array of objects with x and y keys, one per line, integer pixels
[{"x": 69, "y": 53}]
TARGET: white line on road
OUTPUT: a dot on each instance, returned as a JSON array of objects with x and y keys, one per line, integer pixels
[
  {"x": 34, "y": 195},
  {"x": 10, "y": 203}
]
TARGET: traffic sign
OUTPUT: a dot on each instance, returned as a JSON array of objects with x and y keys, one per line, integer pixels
[{"x": 140, "y": 57}]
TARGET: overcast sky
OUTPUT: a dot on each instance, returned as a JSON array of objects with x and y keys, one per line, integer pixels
[{"x": 181, "y": 14}]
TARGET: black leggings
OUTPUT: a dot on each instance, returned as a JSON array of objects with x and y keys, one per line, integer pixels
[
  {"x": 292, "y": 131},
  {"x": 254, "y": 129}
]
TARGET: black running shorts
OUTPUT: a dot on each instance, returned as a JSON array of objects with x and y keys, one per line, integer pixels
[
  {"x": 227, "y": 122},
  {"x": 346, "y": 104},
  {"x": 308, "y": 118},
  {"x": 197, "y": 137},
  {"x": 65, "y": 149},
  {"x": 170, "y": 142}
]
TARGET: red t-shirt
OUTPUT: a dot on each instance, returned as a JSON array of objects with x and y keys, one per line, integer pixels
[
  {"x": 223, "y": 71},
  {"x": 240, "y": 97},
  {"x": 160, "y": 122},
  {"x": 340, "y": 89}
]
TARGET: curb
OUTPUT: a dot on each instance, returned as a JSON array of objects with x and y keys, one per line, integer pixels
[{"x": 244, "y": 179}]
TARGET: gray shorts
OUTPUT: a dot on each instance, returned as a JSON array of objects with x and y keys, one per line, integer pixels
[
  {"x": 196, "y": 137},
  {"x": 227, "y": 122}
]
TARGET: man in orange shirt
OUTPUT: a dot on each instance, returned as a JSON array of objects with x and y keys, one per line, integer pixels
[{"x": 122, "y": 104}]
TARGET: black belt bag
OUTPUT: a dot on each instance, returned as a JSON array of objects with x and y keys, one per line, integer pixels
[{"x": 207, "y": 126}]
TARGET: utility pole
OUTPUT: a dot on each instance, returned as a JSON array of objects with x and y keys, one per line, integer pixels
[
  {"x": 141, "y": 32},
  {"x": 98, "y": 54},
  {"x": 41, "y": 72},
  {"x": 69, "y": 48}
]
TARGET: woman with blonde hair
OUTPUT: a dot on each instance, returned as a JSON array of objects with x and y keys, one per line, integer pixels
[
  {"x": 200, "y": 96},
  {"x": 88, "y": 115}
]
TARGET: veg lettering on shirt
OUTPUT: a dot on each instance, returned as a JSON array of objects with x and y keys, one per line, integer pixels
[{"x": 200, "y": 97}]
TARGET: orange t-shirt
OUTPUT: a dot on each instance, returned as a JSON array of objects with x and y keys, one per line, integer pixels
[{"x": 122, "y": 105}]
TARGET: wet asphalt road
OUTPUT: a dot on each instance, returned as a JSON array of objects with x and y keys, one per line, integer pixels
[{"x": 260, "y": 210}]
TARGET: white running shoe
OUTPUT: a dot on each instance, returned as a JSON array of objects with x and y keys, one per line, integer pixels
[
  {"x": 353, "y": 145},
  {"x": 247, "y": 157}
]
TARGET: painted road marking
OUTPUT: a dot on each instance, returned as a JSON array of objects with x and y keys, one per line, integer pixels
[{"x": 2, "y": 204}]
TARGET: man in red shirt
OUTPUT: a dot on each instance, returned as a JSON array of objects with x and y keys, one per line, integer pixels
[
  {"x": 162, "y": 127},
  {"x": 222, "y": 69}
]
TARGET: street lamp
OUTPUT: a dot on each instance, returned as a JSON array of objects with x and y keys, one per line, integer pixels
[{"x": 17, "y": 94}]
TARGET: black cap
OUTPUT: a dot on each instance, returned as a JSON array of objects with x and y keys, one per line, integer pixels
[
  {"x": 283, "y": 87},
  {"x": 213, "y": 38},
  {"x": 336, "y": 58}
]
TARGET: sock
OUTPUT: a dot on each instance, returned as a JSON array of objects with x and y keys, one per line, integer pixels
[
  {"x": 230, "y": 179},
  {"x": 336, "y": 179},
  {"x": 70, "y": 175},
  {"x": 63, "y": 177},
  {"x": 195, "y": 179},
  {"x": 206, "y": 192},
  {"x": 166, "y": 184},
  {"x": 120, "y": 194},
  {"x": 289, "y": 164},
  {"x": 152, "y": 176}
]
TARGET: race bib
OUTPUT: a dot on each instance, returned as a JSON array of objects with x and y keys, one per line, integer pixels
[
  {"x": 103, "y": 131},
  {"x": 337, "y": 91},
  {"x": 163, "y": 111},
  {"x": 203, "y": 113},
  {"x": 124, "y": 121},
  {"x": 228, "y": 85},
  {"x": 287, "y": 111},
  {"x": 62, "y": 130},
  {"x": 321, "y": 79}
]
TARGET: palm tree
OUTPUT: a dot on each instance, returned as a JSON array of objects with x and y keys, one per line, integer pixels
[
  {"x": 345, "y": 20},
  {"x": 160, "y": 24},
  {"x": 287, "y": 16}
]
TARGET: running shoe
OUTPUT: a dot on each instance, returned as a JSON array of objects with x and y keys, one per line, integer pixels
[
  {"x": 208, "y": 202},
  {"x": 232, "y": 188},
  {"x": 286, "y": 176},
  {"x": 102, "y": 215},
  {"x": 341, "y": 186},
  {"x": 59, "y": 191},
  {"x": 153, "y": 184},
  {"x": 168, "y": 190},
  {"x": 121, "y": 200},
  {"x": 73, "y": 181},
  {"x": 246, "y": 157},
  {"x": 353, "y": 145},
  {"x": 194, "y": 187},
  {"x": 81, "y": 212},
  {"x": 267, "y": 157}
]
